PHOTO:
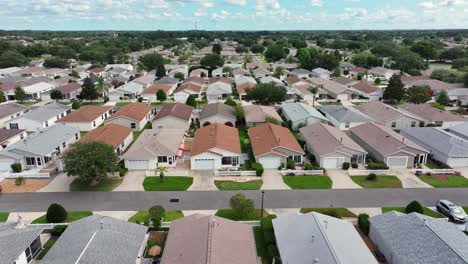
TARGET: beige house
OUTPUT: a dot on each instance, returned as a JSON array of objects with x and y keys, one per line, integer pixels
[
  {"x": 258, "y": 114},
  {"x": 173, "y": 116},
  {"x": 387, "y": 115},
  {"x": 134, "y": 115}
]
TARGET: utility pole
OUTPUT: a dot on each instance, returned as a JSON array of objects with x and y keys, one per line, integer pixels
[{"x": 261, "y": 210}]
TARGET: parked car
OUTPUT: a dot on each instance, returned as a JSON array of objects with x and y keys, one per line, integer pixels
[{"x": 454, "y": 212}]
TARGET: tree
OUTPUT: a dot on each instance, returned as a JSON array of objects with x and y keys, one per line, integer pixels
[
  {"x": 240, "y": 114},
  {"x": 460, "y": 63},
  {"x": 179, "y": 75},
  {"x": 161, "y": 171},
  {"x": 465, "y": 80},
  {"x": 414, "y": 207},
  {"x": 55, "y": 62},
  {"x": 76, "y": 105},
  {"x": 426, "y": 49},
  {"x": 160, "y": 71},
  {"x": 20, "y": 94},
  {"x": 191, "y": 101},
  {"x": 408, "y": 60},
  {"x": 156, "y": 214},
  {"x": 314, "y": 91},
  {"x": 279, "y": 71},
  {"x": 91, "y": 161},
  {"x": 450, "y": 76},
  {"x": 336, "y": 72},
  {"x": 11, "y": 58},
  {"x": 211, "y": 61},
  {"x": 217, "y": 48},
  {"x": 56, "y": 95},
  {"x": 267, "y": 93},
  {"x": 367, "y": 60},
  {"x": 271, "y": 120},
  {"x": 89, "y": 91},
  {"x": 230, "y": 102},
  {"x": 328, "y": 61},
  {"x": 2, "y": 97},
  {"x": 395, "y": 90},
  {"x": 257, "y": 49},
  {"x": 75, "y": 74},
  {"x": 56, "y": 213},
  {"x": 151, "y": 61},
  {"x": 242, "y": 206},
  {"x": 275, "y": 53},
  {"x": 161, "y": 95},
  {"x": 453, "y": 53},
  {"x": 418, "y": 94},
  {"x": 443, "y": 98}
]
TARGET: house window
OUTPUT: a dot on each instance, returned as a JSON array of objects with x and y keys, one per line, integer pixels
[
  {"x": 58, "y": 150},
  {"x": 393, "y": 124},
  {"x": 13, "y": 126},
  {"x": 76, "y": 136},
  {"x": 46, "y": 160},
  {"x": 46, "y": 123},
  {"x": 39, "y": 162},
  {"x": 233, "y": 161},
  {"x": 21, "y": 136},
  {"x": 58, "y": 117},
  {"x": 62, "y": 115},
  {"x": 162, "y": 159},
  {"x": 64, "y": 145},
  {"x": 30, "y": 161},
  {"x": 347, "y": 125},
  {"x": 296, "y": 158},
  {"x": 94, "y": 123},
  {"x": 195, "y": 96},
  {"x": 413, "y": 124},
  {"x": 438, "y": 123},
  {"x": 133, "y": 125}
]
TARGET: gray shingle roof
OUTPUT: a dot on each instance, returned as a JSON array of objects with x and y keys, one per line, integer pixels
[
  {"x": 460, "y": 130},
  {"x": 438, "y": 139},
  {"x": 155, "y": 142},
  {"x": 345, "y": 113},
  {"x": 379, "y": 111},
  {"x": 14, "y": 241},
  {"x": 45, "y": 112},
  {"x": 300, "y": 111},
  {"x": 98, "y": 240},
  {"x": 167, "y": 80},
  {"x": 427, "y": 112},
  {"x": 218, "y": 109}
]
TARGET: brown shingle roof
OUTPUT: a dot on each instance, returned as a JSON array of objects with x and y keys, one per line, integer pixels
[
  {"x": 267, "y": 138},
  {"x": 6, "y": 134},
  {"x": 111, "y": 134},
  {"x": 154, "y": 88},
  {"x": 293, "y": 79},
  {"x": 69, "y": 87},
  {"x": 178, "y": 110},
  {"x": 30, "y": 70},
  {"x": 242, "y": 89},
  {"x": 365, "y": 88},
  {"x": 86, "y": 113},
  {"x": 11, "y": 108},
  {"x": 216, "y": 136},
  {"x": 189, "y": 86},
  {"x": 430, "y": 113},
  {"x": 258, "y": 113},
  {"x": 218, "y": 109},
  {"x": 135, "y": 111},
  {"x": 194, "y": 79},
  {"x": 220, "y": 79}
]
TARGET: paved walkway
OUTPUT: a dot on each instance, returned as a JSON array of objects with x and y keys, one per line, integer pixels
[
  {"x": 27, "y": 218},
  {"x": 203, "y": 181},
  {"x": 122, "y": 215},
  {"x": 272, "y": 180},
  {"x": 408, "y": 179},
  {"x": 133, "y": 181},
  {"x": 203, "y": 212},
  {"x": 283, "y": 211},
  {"x": 61, "y": 183},
  {"x": 463, "y": 171},
  {"x": 341, "y": 179}
]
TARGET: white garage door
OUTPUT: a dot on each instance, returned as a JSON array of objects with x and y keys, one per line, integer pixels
[
  {"x": 203, "y": 164},
  {"x": 332, "y": 163},
  {"x": 5, "y": 165},
  {"x": 397, "y": 162},
  {"x": 270, "y": 162},
  {"x": 137, "y": 164},
  {"x": 458, "y": 162}
]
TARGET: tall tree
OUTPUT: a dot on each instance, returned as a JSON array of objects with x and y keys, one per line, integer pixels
[
  {"x": 160, "y": 71},
  {"x": 161, "y": 95},
  {"x": 211, "y": 61},
  {"x": 11, "y": 58},
  {"x": 257, "y": 49},
  {"x": 191, "y": 101},
  {"x": 426, "y": 49},
  {"x": 418, "y": 94},
  {"x": 151, "y": 61},
  {"x": 275, "y": 53},
  {"x": 217, "y": 48},
  {"x": 88, "y": 90},
  {"x": 267, "y": 94},
  {"x": 443, "y": 98},
  {"x": 279, "y": 71},
  {"x": 242, "y": 206},
  {"x": 395, "y": 90},
  {"x": 20, "y": 94},
  {"x": 314, "y": 91},
  {"x": 56, "y": 95},
  {"x": 55, "y": 62}
]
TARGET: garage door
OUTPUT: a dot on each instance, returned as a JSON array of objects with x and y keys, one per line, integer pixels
[
  {"x": 5, "y": 165},
  {"x": 270, "y": 162},
  {"x": 458, "y": 162},
  {"x": 397, "y": 162},
  {"x": 203, "y": 164},
  {"x": 332, "y": 163},
  {"x": 136, "y": 164}
]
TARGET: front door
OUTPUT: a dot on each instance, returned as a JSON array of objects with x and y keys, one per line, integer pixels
[{"x": 169, "y": 160}]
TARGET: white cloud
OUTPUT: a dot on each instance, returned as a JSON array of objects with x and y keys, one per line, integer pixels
[
  {"x": 318, "y": 3},
  {"x": 236, "y": 2}
]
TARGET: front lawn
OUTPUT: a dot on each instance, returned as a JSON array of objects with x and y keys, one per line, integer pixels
[
  {"x": 46, "y": 247},
  {"x": 168, "y": 184},
  {"x": 382, "y": 181},
  {"x": 427, "y": 211},
  {"x": 230, "y": 214},
  {"x": 105, "y": 185},
  {"x": 232, "y": 185},
  {"x": 329, "y": 103},
  {"x": 4, "y": 216},
  {"x": 308, "y": 182},
  {"x": 335, "y": 212},
  {"x": 143, "y": 216},
  {"x": 451, "y": 182},
  {"x": 72, "y": 216},
  {"x": 120, "y": 104}
]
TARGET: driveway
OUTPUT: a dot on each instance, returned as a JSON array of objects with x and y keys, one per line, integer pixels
[
  {"x": 203, "y": 181},
  {"x": 341, "y": 179},
  {"x": 272, "y": 180},
  {"x": 133, "y": 181},
  {"x": 463, "y": 171},
  {"x": 408, "y": 179},
  {"x": 61, "y": 183}
]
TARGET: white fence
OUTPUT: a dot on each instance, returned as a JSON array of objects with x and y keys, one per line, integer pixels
[
  {"x": 167, "y": 174},
  {"x": 302, "y": 172},
  {"x": 25, "y": 174},
  {"x": 433, "y": 171},
  {"x": 367, "y": 172},
  {"x": 219, "y": 173},
  {"x": 251, "y": 223}
]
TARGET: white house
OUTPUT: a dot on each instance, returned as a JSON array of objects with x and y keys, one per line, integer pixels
[
  {"x": 301, "y": 114},
  {"x": 218, "y": 90},
  {"x": 87, "y": 117},
  {"x": 130, "y": 90},
  {"x": 9, "y": 111},
  {"x": 39, "y": 118},
  {"x": 344, "y": 117},
  {"x": 34, "y": 91},
  {"x": 185, "y": 90},
  {"x": 134, "y": 115},
  {"x": 321, "y": 73}
]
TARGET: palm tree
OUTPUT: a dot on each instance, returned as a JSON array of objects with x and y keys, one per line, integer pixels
[
  {"x": 162, "y": 171},
  {"x": 101, "y": 88},
  {"x": 314, "y": 91}
]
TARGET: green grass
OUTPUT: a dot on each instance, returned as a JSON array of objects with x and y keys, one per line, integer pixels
[
  {"x": 169, "y": 184},
  {"x": 46, "y": 247},
  {"x": 427, "y": 211},
  {"x": 3, "y": 216},
  {"x": 260, "y": 243},
  {"x": 452, "y": 182},
  {"x": 230, "y": 214},
  {"x": 438, "y": 106},
  {"x": 143, "y": 216},
  {"x": 340, "y": 212},
  {"x": 232, "y": 185},
  {"x": 308, "y": 182},
  {"x": 92, "y": 103},
  {"x": 105, "y": 185},
  {"x": 330, "y": 103},
  {"x": 83, "y": 133},
  {"x": 382, "y": 181},
  {"x": 120, "y": 104},
  {"x": 71, "y": 217},
  {"x": 431, "y": 164},
  {"x": 243, "y": 138}
]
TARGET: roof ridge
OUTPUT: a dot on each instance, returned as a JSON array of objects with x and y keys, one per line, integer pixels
[{"x": 325, "y": 237}]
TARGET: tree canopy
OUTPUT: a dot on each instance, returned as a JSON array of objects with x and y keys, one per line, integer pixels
[
  {"x": 418, "y": 94},
  {"x": 152, "y": 61},
  {"x": 88, "y": 90},
  {"x": 267, "y": 94},
  {"x": 395, "y": 90},
  {"x": 211, "y": 61},
  {"x": 275, "y": 53},
  {"x": 242, "y": 206},
  {"x": 55, "y": 62}
]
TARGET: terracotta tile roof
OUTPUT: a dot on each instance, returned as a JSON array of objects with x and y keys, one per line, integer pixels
[
  {"x": 293, "y": 79},
  {"x": 178, "y": 110},
  {"x": 135, "y": 111},
  {"x": 242, "y": 89},
  {"x": 69, "y": 87},
  {"x": 30, "y": 70},
  {"x": 96, "y": 70},
  {"x": 189, "y": 86},
  {"x": 8, "y": 86},
  {"x": 216, "y": 136},
  {"x": 270, "y": 138},
  {"x": 86, "y": 113},
  {"x": 365, "y": 88},
  {"x": 111, "y": 134},
  {"x": 220, "y": 79},
  {"x": 154, "y": 88}
]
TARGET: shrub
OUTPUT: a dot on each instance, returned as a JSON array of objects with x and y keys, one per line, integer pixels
[
  {"x": 291, "y": 164},
  {"x": 267, "y": 222},
  {"x": 16, "y": 167},
  {"x": 269, "y": 237},
  {"x": 331, "y": 212},
  {"x": 312, "y": 158},
  {"x": 257, "y": 167},
  {"x": 106, "y": 99},
  {"x": 354, "y": 165},
  {"x": 372, "y": 177},
  {"x": 273, "y": 250},
  {"x": 414, "y": 207},
  {"x": 122, "y": 171},
  {"x": 346, "y": 165},
  {"x": 76, "y": 105},
  {"x": 364, "y": 224},
  {"x": 377, "y": 166},
  {"x": 20, "y": 181},
  {"x": 309, "y": 166},
  {"x": 58, "y": 230},
  {"x": 56, "y": 213},
  {"x": 140, "y": 99}
]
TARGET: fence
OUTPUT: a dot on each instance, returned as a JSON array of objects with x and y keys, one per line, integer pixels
[
  {"x": 367, "y": 172},
  {"x": 302, "y": 172},
  {"x": 433, "y": 171},
  {"x": 235, "y": 173},
  {"x": 167, "y": 174},
  {"x": 25, "y": 174},
  {"x": 251, "y": 223},
  {"x": 46, "y": 226}
]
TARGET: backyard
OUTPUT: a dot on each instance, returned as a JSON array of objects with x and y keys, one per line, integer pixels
[
  {"x": 105, "y": 185},
  {"x": 308, "y": 182},
  {"x": 381, "y": 181},
  {"x": 243, "y": 138},
  {"x": 172, "y": 183},
  {"x": 233, "y": 185}
]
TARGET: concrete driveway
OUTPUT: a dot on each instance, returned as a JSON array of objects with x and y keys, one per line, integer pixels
[
  {"x": 408, "y": 179},
  {"x": 463, "y": 171},
  {"x": 61, "y": 183},
  {"x": 133, "y": 182},
  {"x": 272, "y": 180},
  {"x": 341, "y": 179},
  {"x": 203, "y": 181}
]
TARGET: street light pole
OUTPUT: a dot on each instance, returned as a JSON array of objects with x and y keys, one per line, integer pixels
[{"x": 261, "y": 211}]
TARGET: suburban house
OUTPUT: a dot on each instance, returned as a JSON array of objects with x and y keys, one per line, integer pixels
[
  {"x": 218, "y": 113},
  {"x": 34, "y": 91},
  {"x": 334, "y": 90},
  {"x": 39, "y": 149},
  {"x": 20, "y": 244},
  {"x": 415, "y": 238},
  {"x": 219, "y": 89},
  {"x": 176, "y": 115},
  {"x": 127, "y": 91},
  {"x": 146, "y": 80},
  {"x": 386, "y": 145},
  {"x": 354, "y": 72},
  {"x": 216, "y": 147},
  {"x": 301, "y": 73},
  {"x": 10, "y": 111},
  {"x": 150, "y": 92},
  {"x": 118, "y": 136},
  {"x": 260, "y": 73},
  {"x": 29, "y": 71},
  {"x": 9, "y": 72},
  {"x": 388, "y": 116},
  {"x": 87, "y": 117},
  {"x": 39, "y": 118},
  {"x": 429, "y": 115},
  {"x": 383, "y": 73},
  {"x": 11, "y": 136},
  {"x": 185, "y": 90},
  {"x": 318, "y": 238},
  {"x": 155, "y": 147},
  {"x": 273, "y": 145},
  {"x": 367, "y": 91},
  {"x": 294, "y": 80},
  {"x": 70, "y": 90},
  {"x": 201, "y": 73},
  {"x": 344, "y": 117},
  {"x": 300, "y": 114},
  {"x": 321, "y": 73},
  {"x": 99, "y": 239},
  {"x": 258, "y": 114},
  {"x": 331, "y": 147},
  {"x": 209, "y": 239},
  {"x": 343, "y": 80},
  {"x": 242, "y": 89},
  {"x": 134, "y": 115},
  {"x": 444, "y": 146}
]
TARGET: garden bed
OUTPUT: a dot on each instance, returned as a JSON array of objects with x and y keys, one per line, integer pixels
[
  {"x": 29, "y": 185},
  {"x": 172, "y": 183},
  {"x": 308, "y": 182},
  {"x": 381, "y": 181}
]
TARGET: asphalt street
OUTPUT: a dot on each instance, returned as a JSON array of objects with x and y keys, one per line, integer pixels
[{"x": 211, "y": 200}]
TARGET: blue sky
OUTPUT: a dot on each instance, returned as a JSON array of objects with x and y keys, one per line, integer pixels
[{"x": 232, "y": 14}]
